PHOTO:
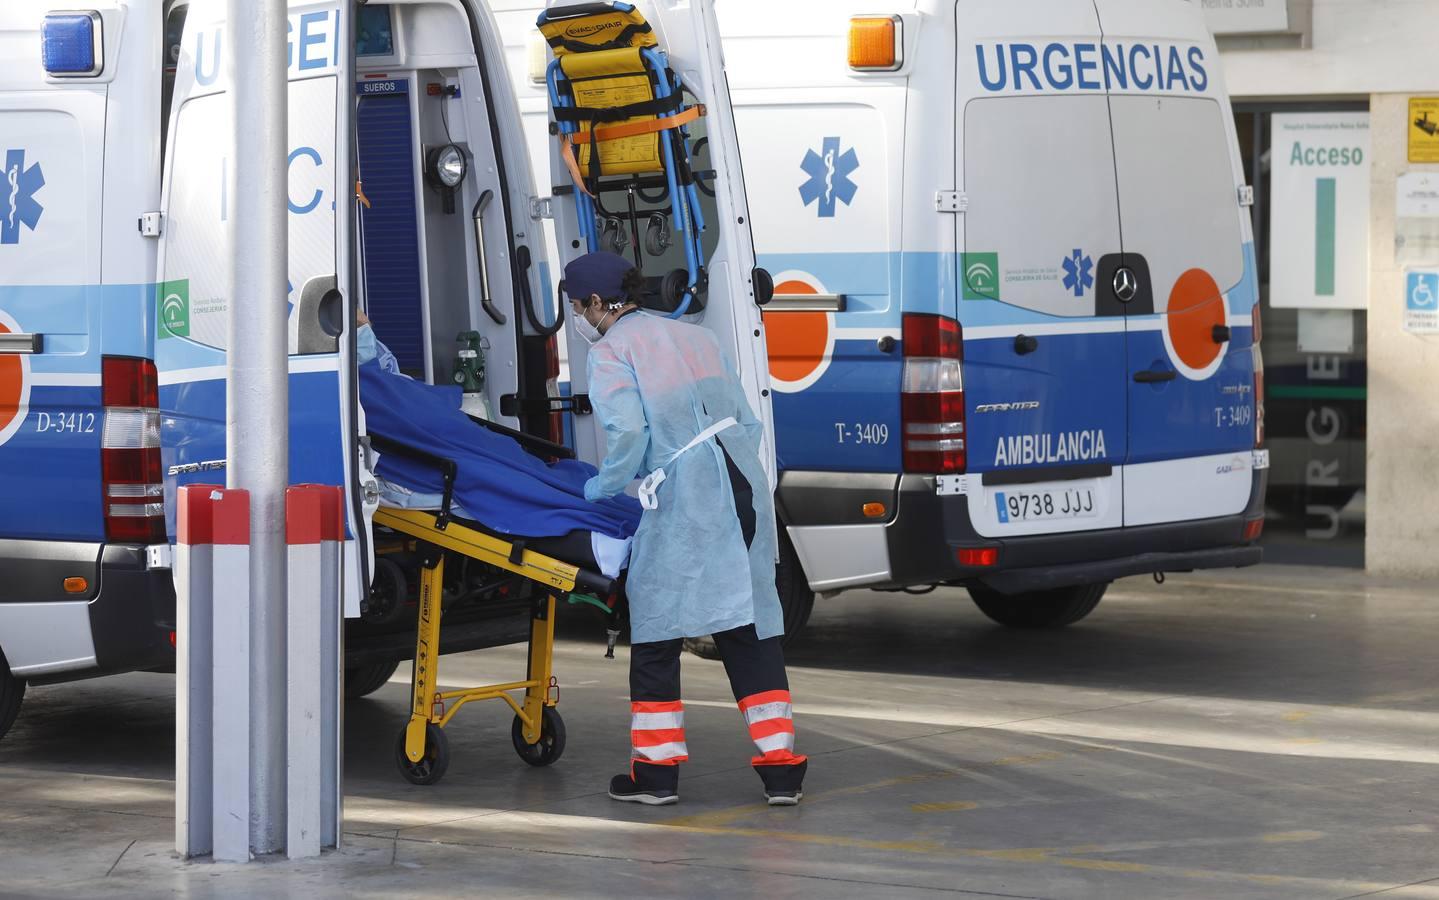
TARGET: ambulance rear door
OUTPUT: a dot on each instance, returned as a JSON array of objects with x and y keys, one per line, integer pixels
[
  {"x": 1044, "y": 354},
  {"x": 1189, "y": 262},
  {"x": 192, "y": 333},
  {"x": 689, "y": 33}
]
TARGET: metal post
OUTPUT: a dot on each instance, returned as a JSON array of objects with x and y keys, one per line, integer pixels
[{"x": 257, "y": 392}]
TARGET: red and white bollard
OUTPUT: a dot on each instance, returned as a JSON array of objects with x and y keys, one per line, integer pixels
[
  {"x": 315, "y": 533},
  {"x": 212, "y": 672}
]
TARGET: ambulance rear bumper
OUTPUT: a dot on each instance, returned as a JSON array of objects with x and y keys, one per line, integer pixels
[
  {"x": 120, "y": 622},
  {"x": 920, "y": 542}
]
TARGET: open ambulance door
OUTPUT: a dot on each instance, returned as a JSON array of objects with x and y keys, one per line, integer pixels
[
  {"x": 192, "y": 329},
  {"x": 689, "y": 33}
]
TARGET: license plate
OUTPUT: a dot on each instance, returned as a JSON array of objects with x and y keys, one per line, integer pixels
[{"x": 1045, "y": 504}]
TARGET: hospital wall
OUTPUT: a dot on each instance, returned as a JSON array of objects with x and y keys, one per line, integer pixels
[{"x": 1378, "y": 51}]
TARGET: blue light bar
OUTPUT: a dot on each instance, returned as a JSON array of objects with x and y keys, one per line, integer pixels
[{"x": 70, "y": 44}]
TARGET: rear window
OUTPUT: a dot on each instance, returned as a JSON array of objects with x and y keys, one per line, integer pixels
[
  {"x": 1178, "y": 193},
  {"x": 1039, "y": 178}
]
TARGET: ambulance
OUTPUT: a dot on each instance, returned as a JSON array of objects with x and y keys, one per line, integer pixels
[
  {"x": 411, "y": 197},
  {"x": 1014, "y": 341}
]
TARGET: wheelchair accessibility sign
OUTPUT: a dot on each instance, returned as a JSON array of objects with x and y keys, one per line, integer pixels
[{"x": 1421, "y": 301}]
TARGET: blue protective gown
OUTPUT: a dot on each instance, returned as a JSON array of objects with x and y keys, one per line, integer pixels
[{"x": 656, "y": 384}]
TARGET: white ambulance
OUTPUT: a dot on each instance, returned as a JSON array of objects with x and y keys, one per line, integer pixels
[
  {"x": 1015, "y": 340},
  {"x": 410, "y": 196}
]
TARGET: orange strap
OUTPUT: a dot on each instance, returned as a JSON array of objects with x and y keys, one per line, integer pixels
[{"x": 634, "y": 129}]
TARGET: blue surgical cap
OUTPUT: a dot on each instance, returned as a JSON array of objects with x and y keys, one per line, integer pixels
[{"x": 596, "y": 273}]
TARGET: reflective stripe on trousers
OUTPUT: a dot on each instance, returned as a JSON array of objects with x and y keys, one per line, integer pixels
[
  {"x": 770, "y": 717},
  {"x": 657, "y": 732}
]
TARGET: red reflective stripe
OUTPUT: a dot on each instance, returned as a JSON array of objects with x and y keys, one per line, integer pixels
[
  {"x": 232, "y": 517},
  {"x": 766, "y": 697},
  {"x": 656, "y": 706},
  {"x": 770, "y": 726},
  {"x": 778, "y": 758},
  {"x": 194, "y": 516},
  {"x": 658, "y": 736}
]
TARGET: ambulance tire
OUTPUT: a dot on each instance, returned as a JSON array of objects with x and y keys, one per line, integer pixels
[
  {"x": 12, "y": 691},
  {"x": 364, "y": 680},
  {"x": 796, "y": 601},
  {"x": 1039, "y": 609}
]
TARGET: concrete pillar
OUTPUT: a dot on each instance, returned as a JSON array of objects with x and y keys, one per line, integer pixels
[{"x": 1402, "y": 515}]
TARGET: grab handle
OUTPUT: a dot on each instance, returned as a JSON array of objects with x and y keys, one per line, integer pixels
[
  {"x": 1150, "y": 376},
  {"x": 478, "y": 214}
]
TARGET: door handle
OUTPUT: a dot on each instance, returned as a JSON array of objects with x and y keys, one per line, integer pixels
[
  {"x": 1221, "y": 334},
  {"x": 19, "y": 342},
  {"x": 1024, "y": 344},
  {"x": 1150, "y": 376}
]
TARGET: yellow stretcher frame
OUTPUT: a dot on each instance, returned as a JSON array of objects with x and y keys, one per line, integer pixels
[{"x": 432, "y": 710}]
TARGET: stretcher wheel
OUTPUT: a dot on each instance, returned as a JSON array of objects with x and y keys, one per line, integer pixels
[
  {"x": 431, "y": 767},
  {"x": 551, "y": 745}
]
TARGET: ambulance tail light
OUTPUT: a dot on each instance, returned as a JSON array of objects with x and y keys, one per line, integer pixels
[
  {"x": 133, "y": 490},
  {"x": 1258, "y": 380},
  {"x": 932, "y": 403},
  {"x": 552, "y": 388},
  {"x": 876, "y": 43}
]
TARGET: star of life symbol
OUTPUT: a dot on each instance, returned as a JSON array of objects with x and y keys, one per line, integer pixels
[
  {"x": 829, "y": 180},
  {"x": 1078, "y": 273},
  {"x": 17, "y": 196}
]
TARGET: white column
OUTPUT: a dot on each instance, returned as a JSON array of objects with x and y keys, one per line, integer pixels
[{"x": 257, "y": 394}]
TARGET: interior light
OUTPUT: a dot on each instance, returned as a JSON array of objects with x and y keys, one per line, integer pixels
[
  {"x": 876, "y": 43},
  {"x": 71, "y": 45},
  {"x": 445, "y": 167}
]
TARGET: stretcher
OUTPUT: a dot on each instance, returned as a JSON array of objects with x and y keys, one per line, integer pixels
[
  {"x": 624, "y": 124},
  {"x": 553, "y": 569}
]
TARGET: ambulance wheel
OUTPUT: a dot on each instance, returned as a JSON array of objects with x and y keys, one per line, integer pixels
[
  {"x": 551, "y": 745},
  {"x": 431, "y": 767},
  {"x": 364, "y": 680},
  {"x": 12, "y": 691},
  {"x": 385, "y": 603},
  {"x": 1039, "y": 609}
]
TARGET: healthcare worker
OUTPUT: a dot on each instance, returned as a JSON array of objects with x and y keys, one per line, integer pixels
[{"x": 704, "y": 556}]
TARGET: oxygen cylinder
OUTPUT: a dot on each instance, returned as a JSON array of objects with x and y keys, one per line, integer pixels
[{"x": 470, "y": 374}]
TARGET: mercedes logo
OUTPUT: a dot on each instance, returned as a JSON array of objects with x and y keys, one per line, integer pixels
[{"x": 1126, "y": 284}]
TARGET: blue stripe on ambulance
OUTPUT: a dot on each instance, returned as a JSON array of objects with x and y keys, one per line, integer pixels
[
  {"x": 1086, "y": 408},
  {"x": 53, "y": 460}
]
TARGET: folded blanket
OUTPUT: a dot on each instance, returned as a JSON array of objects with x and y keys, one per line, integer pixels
[{"x": 499, "y": 483}]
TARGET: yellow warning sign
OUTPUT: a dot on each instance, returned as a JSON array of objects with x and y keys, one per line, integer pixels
[{"x": 1424, "y": 129}]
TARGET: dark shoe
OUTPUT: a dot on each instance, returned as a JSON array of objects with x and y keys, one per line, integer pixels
[
  {"x": 782, "y": 784},
  {"x": 624, "y": 789}
]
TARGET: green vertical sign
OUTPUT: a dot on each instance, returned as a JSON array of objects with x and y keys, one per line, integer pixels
[{"x": 1324, "y": 237}]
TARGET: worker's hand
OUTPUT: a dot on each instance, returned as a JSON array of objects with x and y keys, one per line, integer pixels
[{"x": 361, "y": 318}]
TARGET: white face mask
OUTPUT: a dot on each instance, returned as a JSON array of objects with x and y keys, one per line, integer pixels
[{"x": 591, "y": 333}]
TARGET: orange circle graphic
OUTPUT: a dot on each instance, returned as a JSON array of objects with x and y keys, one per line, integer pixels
[
  {"x": 797, "y": 341},
  {"x": 1196, "y": 306},
  {"x": 12, "y": 385}
]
